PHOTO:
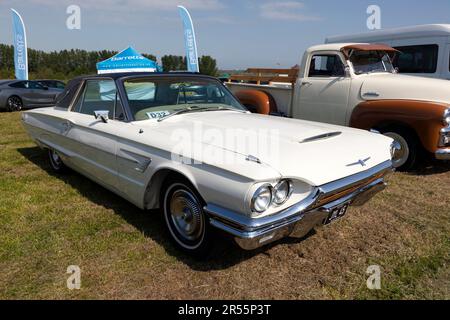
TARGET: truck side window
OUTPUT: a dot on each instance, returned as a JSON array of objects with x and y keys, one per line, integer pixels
[
  {"x": 417, "y": 59},
  {"x": 326, "y": 66}
]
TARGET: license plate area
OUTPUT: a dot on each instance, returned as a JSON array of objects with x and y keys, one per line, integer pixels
[{"x": 336, "y": 214}]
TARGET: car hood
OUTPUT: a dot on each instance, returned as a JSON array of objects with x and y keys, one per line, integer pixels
[
  {"x": 386, "y": 86},
  {"x": 313, "y": 152}
]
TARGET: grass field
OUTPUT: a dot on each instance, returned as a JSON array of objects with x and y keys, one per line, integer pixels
[{"x": 48, "y": 222}]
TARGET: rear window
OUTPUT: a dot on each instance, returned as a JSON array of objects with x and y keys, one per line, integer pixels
[{"x": 417, "y": 59}]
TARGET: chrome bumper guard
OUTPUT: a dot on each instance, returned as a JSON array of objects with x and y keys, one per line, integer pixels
[{"x": 298, "y": 220}]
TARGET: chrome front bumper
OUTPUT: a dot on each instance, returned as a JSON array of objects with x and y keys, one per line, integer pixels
[
  {"x": 298, "y": 220},
  {"x": 443, "y": 154}
]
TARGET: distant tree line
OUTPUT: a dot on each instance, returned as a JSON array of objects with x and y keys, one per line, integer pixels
[
  {"x": 207, "y": 64},
  {"x": 67, "y": 64}
]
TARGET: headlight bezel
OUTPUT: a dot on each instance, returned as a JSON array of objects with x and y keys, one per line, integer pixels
[
  {"x": 257, "y": 194},
  {"x": 258, "y": 210},
  {"x": 288, "y": 194}
]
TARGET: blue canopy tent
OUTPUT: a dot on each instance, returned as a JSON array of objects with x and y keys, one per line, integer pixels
[{"x": 128, "y": 60}]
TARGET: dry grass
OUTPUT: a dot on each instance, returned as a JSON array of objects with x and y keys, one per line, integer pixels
[{"x": 49, "y": 222}]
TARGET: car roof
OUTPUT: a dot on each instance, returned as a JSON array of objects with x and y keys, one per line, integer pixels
[
  {"x": 428, "y": 30},
  {"x": 6, "y": 81},
  {"x": 120, "y": 75}
]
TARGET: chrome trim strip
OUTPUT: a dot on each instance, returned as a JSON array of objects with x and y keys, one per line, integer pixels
[
  {"x": 140, "y": 162},
  {"x": 321, "y": 137},
  {"x": 353, "y": 180}
]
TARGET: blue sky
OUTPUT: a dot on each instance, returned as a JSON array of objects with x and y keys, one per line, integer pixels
[{"x": 238, "y": 33}]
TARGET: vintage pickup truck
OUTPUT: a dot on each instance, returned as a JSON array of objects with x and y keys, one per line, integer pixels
[{"x": 356, "y": 85}]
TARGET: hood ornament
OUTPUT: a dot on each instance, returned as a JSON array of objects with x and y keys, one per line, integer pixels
[
  {"x": 363, "y": 163},
  {"x": 253, "y": 159}
]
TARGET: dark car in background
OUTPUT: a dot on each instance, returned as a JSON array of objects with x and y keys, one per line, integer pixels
[
  {"x": 56, "y": 84},
  {"x": 16, "y": 95}
]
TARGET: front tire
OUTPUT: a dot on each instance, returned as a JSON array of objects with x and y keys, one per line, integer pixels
[
  {"x": 185, "y": 219},
  {"x": 56, "y": 162},
  {"x": 14, "y": 103},
  {"x": 407, "y": 156}
]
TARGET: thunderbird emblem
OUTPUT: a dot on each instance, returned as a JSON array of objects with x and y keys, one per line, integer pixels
[{"x": 361, "y": 162}]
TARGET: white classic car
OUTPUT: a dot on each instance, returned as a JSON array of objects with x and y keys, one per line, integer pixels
[{"x": 139, "y": 135}]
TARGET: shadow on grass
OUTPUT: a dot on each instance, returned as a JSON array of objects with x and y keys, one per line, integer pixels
[
  {"x": 430, "y": 166},
  {"x": 225, "y": 253}
]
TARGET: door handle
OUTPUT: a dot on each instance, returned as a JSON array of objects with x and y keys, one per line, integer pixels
[{"x": 306, "y": 83}]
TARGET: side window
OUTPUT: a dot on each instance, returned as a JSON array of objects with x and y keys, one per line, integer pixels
[
  {"x": 34, "y": 85},
  {"x": 326, "y": 66},
  {"x": 417, "y": 59},
  {"x": 20, "y": 84},
  {"x": 97, "y": 95}
]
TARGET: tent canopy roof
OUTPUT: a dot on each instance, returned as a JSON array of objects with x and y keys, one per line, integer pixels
[{"x": 128, "y": 60}]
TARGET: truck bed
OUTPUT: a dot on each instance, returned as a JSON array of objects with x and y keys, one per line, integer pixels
[{"x": 281, "y": 92}]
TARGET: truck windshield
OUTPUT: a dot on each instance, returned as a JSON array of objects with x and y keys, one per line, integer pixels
[
  {"x": 371, "y": 61},
  {"x": 153, "y": 98}
]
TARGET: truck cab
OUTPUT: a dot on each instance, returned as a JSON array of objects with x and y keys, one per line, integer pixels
[{"x": 356, "y": 85}]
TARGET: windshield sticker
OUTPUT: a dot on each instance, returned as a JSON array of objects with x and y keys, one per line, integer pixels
[{"x": 157, "y": 114}]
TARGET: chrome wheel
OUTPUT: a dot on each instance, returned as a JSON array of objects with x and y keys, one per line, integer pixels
[
  {"x": 184, "y": 216},
  {"x": 14, "y": 103},
  {"x": 55, "y": 160},
  {"x": 401, "y": 155}
]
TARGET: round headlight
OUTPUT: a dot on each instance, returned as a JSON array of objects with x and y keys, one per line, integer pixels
[
  {"x": 262, "y": 199},
  {"x": 282, "y": 191}
]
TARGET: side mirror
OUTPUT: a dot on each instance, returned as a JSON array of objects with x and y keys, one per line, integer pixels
[
  {"x": 45, "y": 87},
  {"x": 102, "y": 115}
]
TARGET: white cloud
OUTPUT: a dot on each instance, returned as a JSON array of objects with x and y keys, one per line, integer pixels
[{"x": 287, "y": 10}]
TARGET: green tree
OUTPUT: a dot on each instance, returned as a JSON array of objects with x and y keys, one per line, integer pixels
[
  {"x": 173, "y": 63},
  {"x": 208, "y": 66},
  {"x": 64, "y": 64}
]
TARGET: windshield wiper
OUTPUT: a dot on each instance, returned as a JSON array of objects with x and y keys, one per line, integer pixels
[
  {"x": 187, "y": 110},
  {"x": 196, "y": 109}
]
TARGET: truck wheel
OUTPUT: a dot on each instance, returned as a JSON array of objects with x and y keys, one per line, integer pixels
[
  {"x": 185, "y": 219},
  {"x": 406, "y": 157}
]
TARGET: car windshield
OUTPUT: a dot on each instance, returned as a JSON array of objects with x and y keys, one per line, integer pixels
[
  {"x": 152, "y": 98},
  {"x": 371, "y": 61}
]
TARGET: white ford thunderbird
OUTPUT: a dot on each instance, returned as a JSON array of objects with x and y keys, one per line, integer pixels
[{"x": 160, "y": 141}]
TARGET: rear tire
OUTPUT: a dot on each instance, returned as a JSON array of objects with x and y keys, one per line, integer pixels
[
  {"x": 184, "y": 217},
  {"x": 56, "y": 162},
  {"x": 14, "y": 103},
  {"x": 407, "y": 157}
]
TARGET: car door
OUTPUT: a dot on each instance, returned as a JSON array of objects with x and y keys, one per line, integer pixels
[
  {"x": 21, "y": 89},
  {"x": 92, "y": 141},
  {"x": 324, "y": 92},
  {"x": 39, "y": 95}
]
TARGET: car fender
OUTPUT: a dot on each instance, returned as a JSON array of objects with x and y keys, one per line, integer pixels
[
  {"x": 425, "y": 118},
  {"x": 262, "y": 101}
]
